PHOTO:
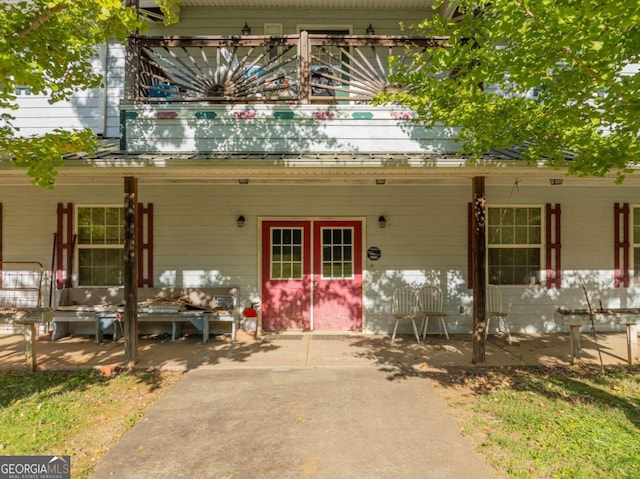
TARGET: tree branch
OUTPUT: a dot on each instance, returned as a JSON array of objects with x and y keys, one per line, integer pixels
[{"x": 41, "y": 20}]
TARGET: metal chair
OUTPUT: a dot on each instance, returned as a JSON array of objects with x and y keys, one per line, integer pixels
[
  {"x": 430, "y": 297},
  {"x": 494, "y": 310},
  {"x": 404, "y": 305}
]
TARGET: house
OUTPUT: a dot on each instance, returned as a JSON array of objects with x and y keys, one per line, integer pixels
[{"x": 260, "y": 162}]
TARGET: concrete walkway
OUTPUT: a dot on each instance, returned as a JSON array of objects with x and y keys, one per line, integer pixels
[{"x": 295, "y": 423}]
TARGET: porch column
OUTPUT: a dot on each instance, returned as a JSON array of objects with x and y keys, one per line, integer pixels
[
  {"x": 479, "y": 270},
  {"x": 130, "y": 317}
]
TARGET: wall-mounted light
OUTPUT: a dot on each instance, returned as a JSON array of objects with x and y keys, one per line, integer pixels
[
  {"x": 243, "y": 181},
  {"x": 246, "y": 30},
  {"x": 382, "y": 222},
  {"x": 555, "y": 181},
  {"x": 240, "y": 221},
  {"x": 380, "y": 181},
  {"x": 370, "y": 30}
]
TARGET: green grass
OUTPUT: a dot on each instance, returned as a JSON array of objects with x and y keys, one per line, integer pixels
[
  {"x": 80, "y": 413},
  {"x": 555, "y": 422}
]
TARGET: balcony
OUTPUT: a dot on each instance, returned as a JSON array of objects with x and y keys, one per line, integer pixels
[
  {"x": 291, "y": 69},
  {"x": 294, "y": 93}
]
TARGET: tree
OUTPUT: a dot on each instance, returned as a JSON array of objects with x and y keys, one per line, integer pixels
[
  {"x": 47, "y": 46},
  {"x": 572, "y": 52}
]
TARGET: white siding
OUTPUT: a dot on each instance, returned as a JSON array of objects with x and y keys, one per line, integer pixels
[
  {"x": 197, "y": 241},
  {"x": 114, "y": 88},
  {"x": 229, "y": 21},
  {"x": 97, "y": 109}
]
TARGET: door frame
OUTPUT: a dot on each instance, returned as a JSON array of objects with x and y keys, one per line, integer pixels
[{"x": 363, "y": 221}]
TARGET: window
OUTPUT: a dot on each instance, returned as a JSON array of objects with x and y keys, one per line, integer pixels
[
  {"x": 514, "y": 250},
  {"x": 636, "y": 243},
  {"x": 100, "y": 245}
]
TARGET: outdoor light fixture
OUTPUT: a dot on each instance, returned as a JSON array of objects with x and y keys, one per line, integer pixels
[
  {"x": 555, "y": 181},
  {"x": 370, "y": 30},
  {"x": 382, "y": 222},
  {"x": 243, "y": 181},
  {"x": 246, "y": 30},
  {"x": 380, "y": 181},
  {"x": 240, "y": 221}
]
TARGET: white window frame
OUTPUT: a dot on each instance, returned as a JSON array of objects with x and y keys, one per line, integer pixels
[
  {"x": 80, "y": 246},
  {"x": 536, "y": 279},
  {"x": 281, "y": 262},
  {"x": 342, "y": 262}
]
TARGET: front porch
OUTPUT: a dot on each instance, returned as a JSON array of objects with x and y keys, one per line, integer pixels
[{"x": 308, "y": 350}]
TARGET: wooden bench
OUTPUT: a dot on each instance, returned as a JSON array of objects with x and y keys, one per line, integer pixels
[{"x": 101, "y": 309}]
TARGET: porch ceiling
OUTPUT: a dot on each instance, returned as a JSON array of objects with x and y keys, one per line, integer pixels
[{"x": 374, "y": 4}]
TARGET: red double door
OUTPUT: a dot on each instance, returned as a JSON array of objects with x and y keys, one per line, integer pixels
[{"x": 312, "y": 275}]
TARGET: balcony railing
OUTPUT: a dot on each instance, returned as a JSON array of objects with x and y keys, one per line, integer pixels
[{"x": 293, "y": 69}]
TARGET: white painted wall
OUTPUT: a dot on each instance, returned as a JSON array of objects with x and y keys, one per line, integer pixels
[{"x": 197, "y": 241}]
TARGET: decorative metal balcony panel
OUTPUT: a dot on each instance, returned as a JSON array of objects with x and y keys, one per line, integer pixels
[{"x": 268, "y": 69}]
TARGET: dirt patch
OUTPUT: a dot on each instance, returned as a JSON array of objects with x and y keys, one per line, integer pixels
[{"x": 125, "y": 402}]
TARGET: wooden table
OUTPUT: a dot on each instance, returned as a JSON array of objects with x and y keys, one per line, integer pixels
[
  {"x": 28, "y": 318},
  {"x": 575, "y": 318}
]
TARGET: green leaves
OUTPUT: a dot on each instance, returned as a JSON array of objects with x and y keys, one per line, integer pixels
[
  {"x": 47, "y": 46},
  {"x": 571, "y": 52},
  {"x": 42, "y": 155}
]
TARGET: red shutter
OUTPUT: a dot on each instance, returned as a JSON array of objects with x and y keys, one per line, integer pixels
[
  {"x": 64, "y": 246},
  {"x": 470, "y": 246},
  {"x": 144, "y": 230},
  {"x": 621, "y": 245},
  {"x": 0, "y": 245},
  {"x": 553, "y": 246}
]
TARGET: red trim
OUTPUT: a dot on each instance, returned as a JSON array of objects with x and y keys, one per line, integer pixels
[
  {"x": 470, "y": 254},
  {"x": 553, "y": 246},
  {"x": 144, "y": 230},
  {"x": 621, "y": 245},
  {"x": 64, "y": 248}
]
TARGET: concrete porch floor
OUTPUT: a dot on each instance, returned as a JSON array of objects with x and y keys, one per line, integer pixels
[{"x": 311, "y": 350}]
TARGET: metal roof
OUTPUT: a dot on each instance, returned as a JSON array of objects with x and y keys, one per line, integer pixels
[
  {"x": 109, "y": 151},
  {"x": 373, "y": 4}
]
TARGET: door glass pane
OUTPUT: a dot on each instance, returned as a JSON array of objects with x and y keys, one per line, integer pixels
[
  {"x": 337, "y": 253},
  {"x": 286, "y": 253}
]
